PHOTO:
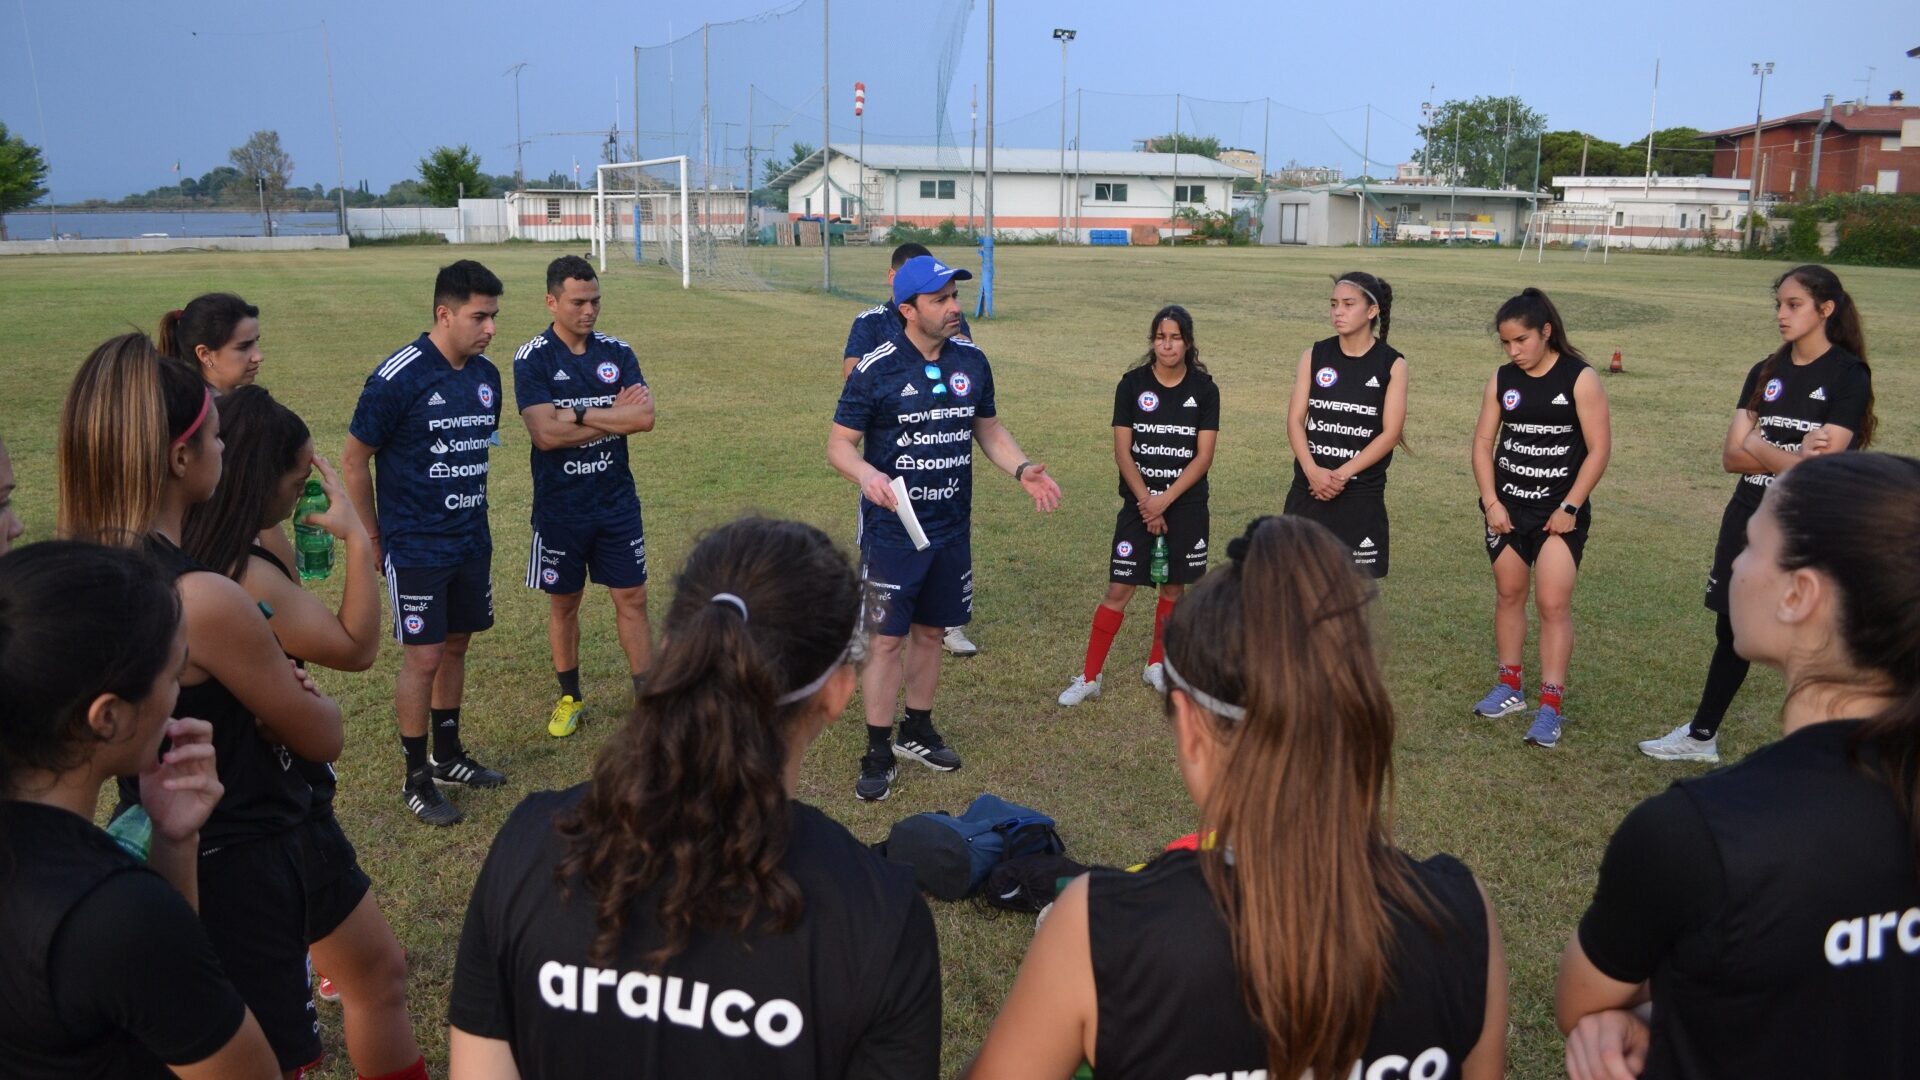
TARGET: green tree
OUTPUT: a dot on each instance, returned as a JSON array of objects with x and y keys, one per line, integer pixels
[
  {"x": 1679, "y": 151},
  {"x": 22, "y": 175},
  {"x": 771, "y": 171},
  {"x": 1184, "y": 143},
  {"x": 262, "y": 163},
  {"x": 1487, "y": 139},
  {"x": 449, "y": 170}
]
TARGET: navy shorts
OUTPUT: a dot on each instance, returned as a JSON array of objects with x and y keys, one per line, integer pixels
[
  {"x": 430, "y": 602},
  {"x": 919, "y": 588},
  {"x": 612, "y": 548}
]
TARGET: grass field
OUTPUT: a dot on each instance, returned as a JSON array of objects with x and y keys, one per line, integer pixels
[{"x": 745, "y": 387}]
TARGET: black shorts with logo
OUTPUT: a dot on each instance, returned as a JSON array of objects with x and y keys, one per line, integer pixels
[
  {"x": 1530, "y": 532},
  {"x": 1358, "y": 519},
  {"x": 253, "y": 903},
  {"x": 1132, "y": 552},
  {"x": 430, "y": 602}
]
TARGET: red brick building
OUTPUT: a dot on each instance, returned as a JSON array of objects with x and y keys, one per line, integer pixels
[{"x": 1861, "y": 149}]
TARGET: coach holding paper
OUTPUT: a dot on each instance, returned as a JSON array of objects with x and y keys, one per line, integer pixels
[{"x": 919, "y": 400}]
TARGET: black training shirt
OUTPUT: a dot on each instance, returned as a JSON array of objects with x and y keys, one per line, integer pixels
[
  {"x": 1797, "y": 398},
  {"x": 852, "y": 991},
  {"x": 1346, "y": 407},
  {"x": 104, "y": 969},
  {"x": 1541, "y": 444},
  {"x": 1775, "y": 907},
  {"x": 1166, "y": 422},
  {"x": 1170, "y": 1001}
]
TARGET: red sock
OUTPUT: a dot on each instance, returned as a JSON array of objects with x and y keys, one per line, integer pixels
[
  {"x": 1106, "y": 623},
  {"x": 415, "y": 1071},
  {"x": 1510, "y": 676},
  {"x": 1550, "y": 694},
  {"x": 1160, "y": 612}
]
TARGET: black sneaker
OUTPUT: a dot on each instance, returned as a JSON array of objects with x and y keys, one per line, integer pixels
[
  {"x": 926, "y": 747},
  {"x": 423, "y": 797},
  {"x": 462, "y": 769},
  {"x": 877, "y": 771}
]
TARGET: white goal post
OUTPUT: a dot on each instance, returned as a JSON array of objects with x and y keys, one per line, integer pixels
[{"x": 602, "y": 215}]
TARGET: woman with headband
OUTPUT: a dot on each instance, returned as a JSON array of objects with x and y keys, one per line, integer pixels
[
  {"x": 1345, "y": 417},
  {"x": 681, "y": 914},
  {"x": 219, "y": 334},
  {"x": 1297, "y": 939},
  {"x": 139, "y": 444}
]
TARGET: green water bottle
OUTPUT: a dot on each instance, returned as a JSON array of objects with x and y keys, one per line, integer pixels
[
  {"x": 1157, "y": 565},
  {"x": 312, "y": 545},
  {"x": 133, "y": 831}
]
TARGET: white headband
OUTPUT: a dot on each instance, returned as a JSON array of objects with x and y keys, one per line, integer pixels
[
  {"x": 730, "y": 600},
  {"x": 1362, "y": 288},
  {"x": 813, "y": 687},
  {"x": 1214, "y": 705}
]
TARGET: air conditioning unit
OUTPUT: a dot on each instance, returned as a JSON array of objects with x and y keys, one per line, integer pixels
[{"x": 1720, "y": 212}]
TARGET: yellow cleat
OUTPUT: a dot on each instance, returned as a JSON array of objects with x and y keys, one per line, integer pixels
[{"x": 566, "y": 717}]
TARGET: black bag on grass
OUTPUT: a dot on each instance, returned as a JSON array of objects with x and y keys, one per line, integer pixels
[
  {"x": 951, "y": 856},
  {"x": 1029, "y": 883}
]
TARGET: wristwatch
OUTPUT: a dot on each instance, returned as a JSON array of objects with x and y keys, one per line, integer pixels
[
  {"x": 1021, "y": 469},
  {"x": 579, "y": 415},
  {"x": 1569, "y": 508}
]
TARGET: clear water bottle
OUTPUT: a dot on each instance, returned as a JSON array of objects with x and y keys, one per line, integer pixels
[
  {"x": 1157, "y": 565},
  {"x": 312, "y": 545}
]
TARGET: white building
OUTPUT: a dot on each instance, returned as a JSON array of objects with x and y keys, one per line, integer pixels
[
  {"x": 1635, "y": 212},
  {"x": 1336, "y": 214},
  {"x": 925, "y": 185},
  {"x": 567, "y": 213}
]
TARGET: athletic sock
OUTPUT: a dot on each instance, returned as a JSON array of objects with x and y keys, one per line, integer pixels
[
  {"x": 880, "y": 738},
  {"x": 1510, "y": 676},
  {"x": 1106, "y": 623},
  {"x": 570, "y": 682},
  {"x": 916, "y": 722},
  {"x": 1550, "y": 694},
  {"x": 415, "y": 1071},
  {"x": 446, "y": 734},
  {"x": 415, "y": 747},
  {"x": 1160, "y": 612}
]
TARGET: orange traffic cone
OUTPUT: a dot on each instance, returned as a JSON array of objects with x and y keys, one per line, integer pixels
[{"x": 1616, "y": 366}]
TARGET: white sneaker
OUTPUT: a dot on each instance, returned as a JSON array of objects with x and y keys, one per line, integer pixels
[
  {"x": 1079, "y": 690},
  {"x": 956, "y": 642},
  {"x": 1156, "y": 677},
  {"x": 1680, "y": 745}
]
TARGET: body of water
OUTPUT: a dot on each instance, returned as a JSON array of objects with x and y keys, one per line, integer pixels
[{"x": 120, "y": 225}]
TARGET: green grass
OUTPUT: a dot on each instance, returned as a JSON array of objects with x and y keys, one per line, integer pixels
[{"x": 745, "y": 384}]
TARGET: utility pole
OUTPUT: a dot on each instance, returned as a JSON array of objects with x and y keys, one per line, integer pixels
[
  {"x": 985, "y": 306},
  {"x": 826, "y": 148},
  {"x": 519, "y": 143},
  {"x": 1063, "y": 36},
  {"x": 1366, "y": 146},
  {"x": 1453, "y": 200},
  {"x": 1762, "y": 69},
  {"x": 1653, "y": 110},
  {"x": 973, "y": 144},
  {"x": 339, "y": 163},
  {"x": 1173, "y": 211},
  {"x": 637, "y": 155},
  {"x": 1079, "y": 99}
]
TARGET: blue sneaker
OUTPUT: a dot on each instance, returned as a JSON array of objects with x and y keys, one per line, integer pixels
[
  {"x": 1545, "y": 731},
  {"x": 1502, "y": 700}
]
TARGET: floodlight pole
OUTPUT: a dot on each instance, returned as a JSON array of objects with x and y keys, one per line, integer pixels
[
  {"x": 973, "y": 146},
  {"x": 519, "y": 143},
  {"x": 826, "y": 150},
  {"x": 1063, "y": 36},
  {"x": 1762, "y": 69},
  {"x": 339, "y": 162}
]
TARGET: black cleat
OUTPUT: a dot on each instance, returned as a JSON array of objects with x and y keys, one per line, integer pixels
[
  {"x": 462, "y": 769},
  {"x": 423, "y": 797}
]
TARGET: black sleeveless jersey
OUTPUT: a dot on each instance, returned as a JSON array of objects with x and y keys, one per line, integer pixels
[
  {"x": 1346, "y": 401},
  {"x": 265, "y": 793},
  {"x": 1169, "y": 998},
  {"x": 319, "y": 774},
  {"x": 1540, "y": 447},
  {"x": 1833, "y": 389}
]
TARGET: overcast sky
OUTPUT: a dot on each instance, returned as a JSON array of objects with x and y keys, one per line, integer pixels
[{"x": 125, "y": 89}]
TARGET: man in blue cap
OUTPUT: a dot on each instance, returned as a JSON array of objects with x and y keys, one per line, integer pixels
[{"x": 918, "y": 401}]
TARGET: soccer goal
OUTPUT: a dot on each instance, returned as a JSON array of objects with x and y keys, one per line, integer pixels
[
  {"x": 1575, "y": 225},
  {"x": 646, "y": 203}
]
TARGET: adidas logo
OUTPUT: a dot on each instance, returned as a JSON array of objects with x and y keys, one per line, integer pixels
[
  {"x": 561, "y": 376},
  {"x": 908, "y": 390},
  {"x": 1366, "y": 542},
  {"x": 1191, "y": 404},
  {"x": 1374, "y": 382},
  {"x": 1559, "y": 399},
  {"x": 1201, "y": 544},
  {"x": 436, "y": 399},
  {"x": 1819, "y": 394}
]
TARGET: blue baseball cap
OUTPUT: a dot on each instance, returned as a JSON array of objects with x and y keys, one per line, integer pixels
[{"x": 924, "y": 274}]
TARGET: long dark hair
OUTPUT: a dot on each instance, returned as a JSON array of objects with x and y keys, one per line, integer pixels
[
  {"x": 690, "y": 794},
  {"x": 1303, "y": 798},
  {"x": 1378, "y": 291},
  {"x": 126, "y": 407},
  {"x": 1534, "y": 310},
  {"x": 1184, "y": 321},
  {"x": 209, "y": 319},
  {"x": 263, "y": 440},
  {"x": 77, "y": 620},
  {"x": 1843, "y": 329},
  {"x": 1825, "y": 505}
]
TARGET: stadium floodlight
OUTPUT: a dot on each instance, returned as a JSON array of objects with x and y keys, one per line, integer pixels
[{"x": 1063, "y": 36}]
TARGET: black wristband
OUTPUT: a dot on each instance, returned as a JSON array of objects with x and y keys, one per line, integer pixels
[
  {"x": 1020, "y": 470},
  {"x": 579, "y": 415}
]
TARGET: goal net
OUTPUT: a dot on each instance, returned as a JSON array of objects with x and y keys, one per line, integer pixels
[
  {"x": 1583, "y": 227},
  {"x": 647, "y": 211}
]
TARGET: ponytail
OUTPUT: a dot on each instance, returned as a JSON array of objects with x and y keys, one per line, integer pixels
[
  {"x": 1843, "y": 329},
  {"x": 125, "y": 408},
  {"x": 208, "y": 320},
  {"x": 1301, "y": 801},
  {"x": 1378, "y": 292},
  {"x": 1533, "y": 309},
  {"x": 690, "y": 795}
]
